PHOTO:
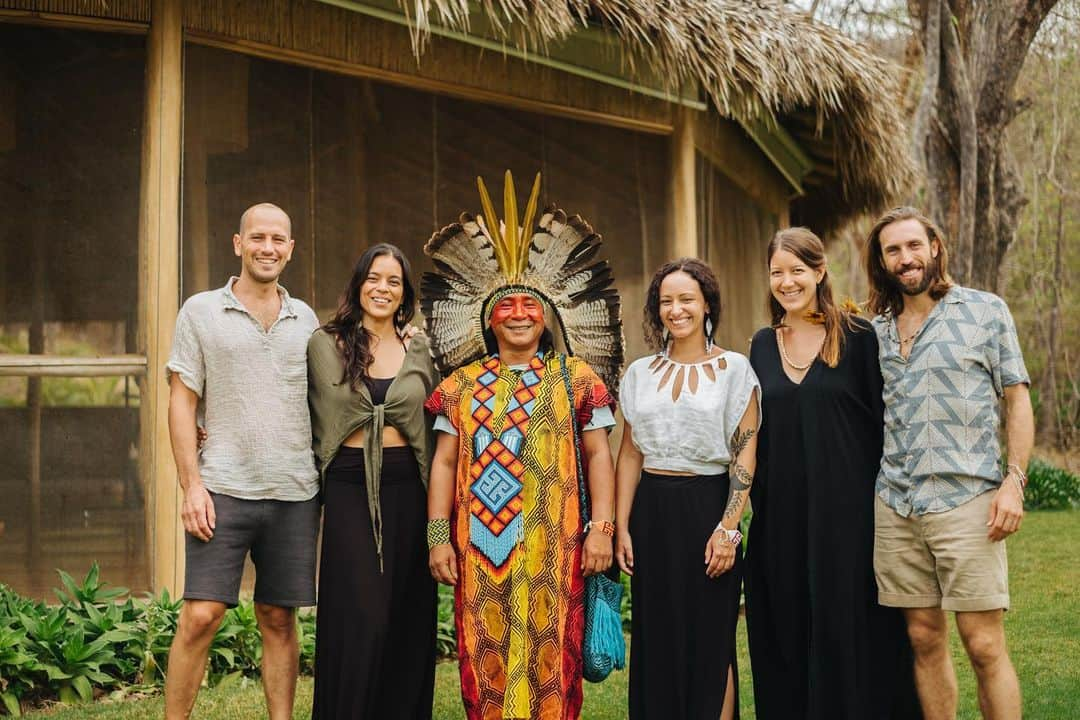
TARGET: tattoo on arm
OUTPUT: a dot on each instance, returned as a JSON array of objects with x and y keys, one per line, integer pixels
[
  {"x": 740, "y": 440},
  {"x": 741, "y": 479}
]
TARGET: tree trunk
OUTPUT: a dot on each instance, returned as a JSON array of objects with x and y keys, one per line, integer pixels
[
  {"x": 1051, "y": 415},
  {"x": 973, "y": 55}
]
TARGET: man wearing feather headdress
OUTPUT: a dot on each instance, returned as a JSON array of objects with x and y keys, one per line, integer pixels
[{"x": 518, "y": 422}]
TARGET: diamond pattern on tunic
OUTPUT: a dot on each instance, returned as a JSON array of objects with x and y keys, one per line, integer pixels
[{"x": 495, "y": 507}]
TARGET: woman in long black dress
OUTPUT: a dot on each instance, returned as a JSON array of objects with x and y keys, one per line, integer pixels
[
  {"x": 367, "y": 382},
  {"x": 820, "y": 645}
]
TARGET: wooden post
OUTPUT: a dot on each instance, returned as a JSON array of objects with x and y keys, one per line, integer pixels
[
  {"x": 159, "y": 285},
  {"x": 33, "y": 408},
  {"x": 682, "y": 237}
]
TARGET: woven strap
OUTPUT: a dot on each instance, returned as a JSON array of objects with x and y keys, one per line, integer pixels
[{"x": 577, "y": 444}]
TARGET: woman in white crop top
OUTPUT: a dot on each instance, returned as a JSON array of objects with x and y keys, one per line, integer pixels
[{"x": 685, "y": 467}]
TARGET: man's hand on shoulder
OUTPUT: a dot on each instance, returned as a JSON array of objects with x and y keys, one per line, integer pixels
[
  {"x": 198, "y": 512},
  {"x": 1006, "y": 511}
]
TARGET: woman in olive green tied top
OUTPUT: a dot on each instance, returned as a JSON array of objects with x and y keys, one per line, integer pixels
[{"x": 367, "y": 381}]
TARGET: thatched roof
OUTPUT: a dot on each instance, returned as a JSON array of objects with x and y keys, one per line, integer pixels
[{"x": 757, "y": 60}]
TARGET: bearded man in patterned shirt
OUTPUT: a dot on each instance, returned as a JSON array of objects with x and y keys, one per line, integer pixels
[{"x": 945, "y": 504}]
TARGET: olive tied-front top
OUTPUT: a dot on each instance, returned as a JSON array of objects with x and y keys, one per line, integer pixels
[{"x": 337, "y": 411}]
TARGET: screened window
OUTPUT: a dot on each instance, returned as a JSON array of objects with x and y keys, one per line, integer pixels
[
  {"x": 734, "y": 231},
  {"x": 71, "y": 106},
  {"x": 356, "y": 162}
]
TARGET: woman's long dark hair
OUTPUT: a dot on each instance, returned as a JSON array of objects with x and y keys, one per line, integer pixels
[
  {"x": 710, "y": 290},
  {"x": 353, "y": 339},
  {"x": 809, "y": 248}
]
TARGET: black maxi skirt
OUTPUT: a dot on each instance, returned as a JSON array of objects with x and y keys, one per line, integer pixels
[
  {"x": 682, "y": 622},
  {"x": 375, "y": 632}
]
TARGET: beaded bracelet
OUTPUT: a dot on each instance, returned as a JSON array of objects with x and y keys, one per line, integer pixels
[
  {"x": 734, "y": 536},
  {"x": 438, "y": 532},
  {"x": 1019, "y": 472},
  {"x": 602, "y": 525},
  {"x": 1019, "y": 476}
]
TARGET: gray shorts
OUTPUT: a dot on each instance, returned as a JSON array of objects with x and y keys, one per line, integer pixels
[{"x": 281, "y": 537}]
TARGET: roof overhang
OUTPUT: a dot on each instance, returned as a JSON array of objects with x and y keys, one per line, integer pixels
[
  {"x": 597, "y": 55},
  {"x": 590, "y": 53}
]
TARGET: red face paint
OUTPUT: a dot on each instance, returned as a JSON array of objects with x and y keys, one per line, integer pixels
[{"x": 517, "y": 307}]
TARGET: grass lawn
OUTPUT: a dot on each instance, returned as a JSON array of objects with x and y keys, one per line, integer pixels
[{"x": 1043, "y": 629}]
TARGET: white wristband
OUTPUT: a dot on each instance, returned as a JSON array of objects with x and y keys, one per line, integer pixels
[{"x": 734, "y": 536}]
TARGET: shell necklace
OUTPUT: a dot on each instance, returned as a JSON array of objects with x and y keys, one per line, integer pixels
[{"x": 784, "y": 355}]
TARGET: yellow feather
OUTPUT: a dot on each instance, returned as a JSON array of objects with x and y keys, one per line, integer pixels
[
  {"x": 491, "y": 222},
  {"x": 526, "y": 226},
  {"x": 511, "y": 235}
]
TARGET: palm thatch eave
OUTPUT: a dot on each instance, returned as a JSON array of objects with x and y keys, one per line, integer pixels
[{"x": 757, "y": 60}]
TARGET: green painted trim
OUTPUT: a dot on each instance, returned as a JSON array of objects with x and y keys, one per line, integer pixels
[
  {"x": 591, "y": 53},
  {"x": 782, "y": 149}
]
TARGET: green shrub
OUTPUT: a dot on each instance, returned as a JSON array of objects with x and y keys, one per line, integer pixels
[
  {"x": 93, "y": 642},
  {"x": 445, "y": 628},
  {"x": 1050, "y": 487}
]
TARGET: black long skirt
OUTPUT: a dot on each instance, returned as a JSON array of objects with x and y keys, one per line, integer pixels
[
  {"x": 375, "y": 634},
  {"x": 683, "y": 622}
]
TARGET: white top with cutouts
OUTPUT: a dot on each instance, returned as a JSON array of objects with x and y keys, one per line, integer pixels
[{"x": 684, "y": 414}]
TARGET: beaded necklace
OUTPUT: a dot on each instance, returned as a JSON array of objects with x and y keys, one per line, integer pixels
[{"x": 784, "y": 355}]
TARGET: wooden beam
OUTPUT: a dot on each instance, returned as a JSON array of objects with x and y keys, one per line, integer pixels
[
  {"x": 73, "y": 22},
  {"x": 682, "y": 239},
  {"x": 66, "y": 366},
  {"x": 725, "y": 145},
  {"x": 159, "y": 286},
  {"x": 416, "y": 82}
]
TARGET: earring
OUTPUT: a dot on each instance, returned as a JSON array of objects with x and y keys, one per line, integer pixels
[
  {"x": 708, "y": 335},
  {"x": 664, "y": 337}
]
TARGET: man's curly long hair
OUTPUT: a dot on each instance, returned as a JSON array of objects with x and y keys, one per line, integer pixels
[
  {"x": 353, "y": 340},
  {"x": 710, "y": 290},
  {"x": 885, "y": 295}
]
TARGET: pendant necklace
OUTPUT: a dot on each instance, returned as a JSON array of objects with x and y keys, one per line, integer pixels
[{"x": 901, "y": 341}]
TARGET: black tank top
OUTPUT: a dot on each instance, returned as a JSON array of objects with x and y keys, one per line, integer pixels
[{"x": 378, "y": 387}]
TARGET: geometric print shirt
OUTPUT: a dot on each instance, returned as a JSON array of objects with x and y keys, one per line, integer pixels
[{"x": 942, "y": 402}]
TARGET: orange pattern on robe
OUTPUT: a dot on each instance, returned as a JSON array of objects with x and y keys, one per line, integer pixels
[{"x": 520, "y": 623}]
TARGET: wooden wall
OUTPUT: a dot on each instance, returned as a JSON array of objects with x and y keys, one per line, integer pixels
[
  {"x": 351, "y": 43},
  {"x": 740, "y": 182}
]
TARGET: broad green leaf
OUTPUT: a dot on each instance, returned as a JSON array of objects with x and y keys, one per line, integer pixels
[
  {"x": 72, "y": 588},
  {"x": 229, "y": 680},
  {"x": 68, "y": 695},
  {"x": 82, "y": 686},
  {"x": 11, "y": 703}
]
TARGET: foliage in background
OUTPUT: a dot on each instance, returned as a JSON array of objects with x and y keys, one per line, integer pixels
[
  {"x": 1037, "y": 274},
  {"x": 1050, "y": 488},
  {"x": 99, "y": 641},
  {"x": 94, "y": 642}
]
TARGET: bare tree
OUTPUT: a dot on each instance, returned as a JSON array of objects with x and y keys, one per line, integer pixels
[{"x": 973, "y": 53}]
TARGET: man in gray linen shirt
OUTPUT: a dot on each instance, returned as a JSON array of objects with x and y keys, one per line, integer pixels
[
  {"x": 949, "y": 355},
  {"x": 239, "y": 363}
]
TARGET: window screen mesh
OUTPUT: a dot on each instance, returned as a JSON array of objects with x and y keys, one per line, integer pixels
[
  {"x": 71, "y": 107},
  {"x": 734, "y": 232},
  {"x": 355, "y": 162}
]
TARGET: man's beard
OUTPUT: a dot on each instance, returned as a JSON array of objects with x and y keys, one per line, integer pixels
[{"x": 930, "y": 274}]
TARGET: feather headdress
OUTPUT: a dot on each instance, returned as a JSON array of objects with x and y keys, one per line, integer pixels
[{"x": 478, "y": 259}]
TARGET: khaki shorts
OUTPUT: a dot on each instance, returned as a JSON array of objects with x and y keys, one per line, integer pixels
[{"x": 940, "y": 559}]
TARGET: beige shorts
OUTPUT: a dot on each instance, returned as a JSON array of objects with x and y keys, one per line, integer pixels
[{"x": 940, "y": 559}]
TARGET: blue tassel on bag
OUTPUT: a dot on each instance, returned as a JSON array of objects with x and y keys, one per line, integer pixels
[{"x": 605, "y": 646}]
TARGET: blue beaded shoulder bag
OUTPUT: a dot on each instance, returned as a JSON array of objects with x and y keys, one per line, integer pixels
[{"x": 604, "y": 648}]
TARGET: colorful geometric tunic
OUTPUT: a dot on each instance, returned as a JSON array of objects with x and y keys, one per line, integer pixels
[{"x": 516, "y": 527}]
